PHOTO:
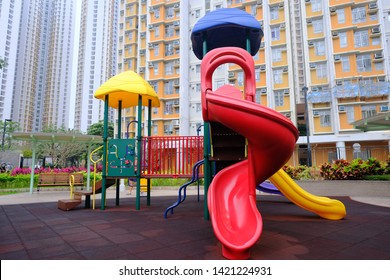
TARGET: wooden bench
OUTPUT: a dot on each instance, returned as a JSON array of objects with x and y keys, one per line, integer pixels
[{"x": 59, "y": 179}]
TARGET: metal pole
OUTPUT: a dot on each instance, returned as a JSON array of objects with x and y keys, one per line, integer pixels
[{"x": 309, "y": 163}]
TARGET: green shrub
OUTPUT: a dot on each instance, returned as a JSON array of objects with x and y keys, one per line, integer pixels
[{"x": 358, "y": 169}]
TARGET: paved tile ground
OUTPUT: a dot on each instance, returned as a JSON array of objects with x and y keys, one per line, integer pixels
[{"x": 41, "y": 231}]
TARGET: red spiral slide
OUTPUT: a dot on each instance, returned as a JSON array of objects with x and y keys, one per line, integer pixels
[{"x": 271, "y": 138}]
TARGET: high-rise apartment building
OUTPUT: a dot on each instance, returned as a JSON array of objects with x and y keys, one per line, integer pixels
[
  {"x": 97, "y": 58},
  {"x": 332, "y": 54},
  {"x": 10, "y": 12},
  {"x": 39, "y": 48}
]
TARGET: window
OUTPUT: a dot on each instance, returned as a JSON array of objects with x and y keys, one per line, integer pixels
[
  {"x": 169, "y": 30},
  {"x": 345, "y": 65},
  {"x": 169, "y": 49},
  {"x": 350, "y": 111},
  {"x": 257, "y": 74},
  {"x": 379, "y": 66},
  {"x": 168, "y": 87},
  {"x": 321, "y": 71},
  {"x": 316, "y": 5},
  {"x": 170, "y": 12},
  {"x": 155, "y": 68},
  {"x": 279, "y": 98},
  {"x": 363, "y": 63},
  {"x": 156, "y": 50},
  {"x": 156, "y": 12},
  {"x": 275, "y": 33},
  {"x": 276, "y": 54},
  {"x": 361, "y": 38},
  {"x": 359, "y": 14},
  {"x": 340, "y": 15},
  {"x": 368, "y": 111},
  {"x": 343, "y": 39},
  {"x": 274, "y": 12},
  {"x": 376, "y": 41},
  {"x": 168, "y": 108},
  {"x": 169, "y": 68},
  {"x": 318, "y": 25},
  {"x": 278, "y": 76},
  {"x": 319, "y": 48},
  {"x": 324, "y": 118},
  {"x": 240, "y": 78}
]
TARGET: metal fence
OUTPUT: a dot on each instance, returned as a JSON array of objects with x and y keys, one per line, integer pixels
[{"x": 171, "y": 156}]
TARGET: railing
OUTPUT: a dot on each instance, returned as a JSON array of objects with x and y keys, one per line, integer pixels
[
  {"x": 171, "y": 156},
  {"x": 94, "y": 173}
]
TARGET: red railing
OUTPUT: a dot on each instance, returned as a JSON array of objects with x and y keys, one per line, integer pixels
[{"x": 171, "y": 156}]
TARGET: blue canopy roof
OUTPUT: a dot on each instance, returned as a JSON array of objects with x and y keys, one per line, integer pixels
[{"x": 227, "y": 27}]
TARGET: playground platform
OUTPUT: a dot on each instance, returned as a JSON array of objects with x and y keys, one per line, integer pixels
[{"x": 33, "y": 228}]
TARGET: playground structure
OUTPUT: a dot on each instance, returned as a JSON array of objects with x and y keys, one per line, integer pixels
[
  {"x": 244, "y": 143},
  {"x": 256, "y": 141}
]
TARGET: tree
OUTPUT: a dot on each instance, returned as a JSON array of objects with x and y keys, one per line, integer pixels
[
  {"x": 98, "y": 129},
  {"x": 10, "y": 127},
  {"x": 61, "y": 152}
]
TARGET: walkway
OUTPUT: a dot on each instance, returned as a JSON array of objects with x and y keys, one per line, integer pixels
[{"x": 40, "y": 231}]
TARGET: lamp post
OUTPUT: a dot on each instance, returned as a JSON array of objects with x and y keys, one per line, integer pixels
[
  {"x": 304, "y": 89},
  {"x": 4, "y": 128}
]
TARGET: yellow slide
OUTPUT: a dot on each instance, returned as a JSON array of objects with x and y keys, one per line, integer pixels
[{"x": 325, "y": 207}]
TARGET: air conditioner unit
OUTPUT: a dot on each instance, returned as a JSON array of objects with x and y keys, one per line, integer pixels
[
  {"x": 282, "y": 26},
  {"x": 285, "y": 69},
  {"x": 262, "y": 45},
  {"x": 384, "y": 108},
  {"x": 176, "y": 43},
  {"x": 375, "y": 30},
  {"x": 143, "y": 17},
  {"x": 141, "y": 70},
  {"x": 142, "y": 52},
  {"x": 381, "y": 79},
  {"x": 176, "y": 23},
  {"x": 312, "y": 66},
  {"x": 316, "y": 113},
  {"x": 332, "y": 10},
  {"x": 335, "y": 34},
  {"x": 263, "y": 90},
  {"x": 143, "y": 35},
  {"x": 151, "y": 46},
  {"x": 378, "y": 55},
  {"x": 308, "y": 20},
  {"x": 311, "y": 44},
  {"x": 339, "y": 82},
  {"x": 372, "y": 6},
  {"x": 150, "y": 27},
  {"x": 151, "y": 10},
  {"x": 281, "y": 5},
  {"x": 176, "y": 6},
  {"x": 175, "y": 122},
  {"x": 259, "y": 2},
  {"x": 337, "y": 57},
  {"x": 262, "y": 68},
  {"x": 232, "y": 75},
  {"x": 307, "y": 1},
  {"x": 314, "y": 89},
  {"x": 286, "y": 92},
  {"x": 150, "y": 65},
  {"x": 341, "y": 108}
]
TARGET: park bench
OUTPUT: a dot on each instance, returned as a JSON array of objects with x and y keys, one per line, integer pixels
[{"x": 59, "y": 179}]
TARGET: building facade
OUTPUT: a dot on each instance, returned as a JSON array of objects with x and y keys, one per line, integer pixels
[
  {"x": 336, "y": 61},
  {"x": 97, "y": 57},
  {"x": 39, "y": 48}
]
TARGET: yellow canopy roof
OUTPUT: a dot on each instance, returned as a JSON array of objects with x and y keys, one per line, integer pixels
[{"x": 126, "y": 87}]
